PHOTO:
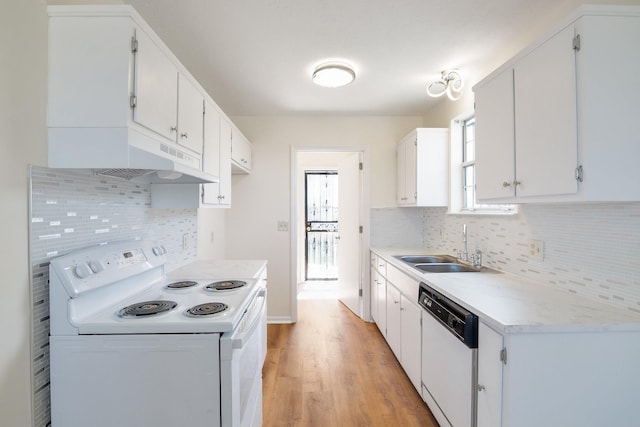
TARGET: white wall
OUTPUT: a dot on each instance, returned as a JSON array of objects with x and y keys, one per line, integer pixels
[
  {"x": 23, "y": 74},
  {"x": 263, "y": 198}
]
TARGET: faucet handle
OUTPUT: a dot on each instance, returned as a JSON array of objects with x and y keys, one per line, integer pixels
[{"x": 478, "y": 258}]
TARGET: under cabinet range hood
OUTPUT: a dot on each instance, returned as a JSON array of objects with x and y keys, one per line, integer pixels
[{"x": 124, "y": 153}]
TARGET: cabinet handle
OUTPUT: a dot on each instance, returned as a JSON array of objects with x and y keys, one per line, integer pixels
[
  {"x": 184, "y": 135},
  {"x": 481, "y": 387},
  {"x": 506, "y": 184},
  {"x": 174, "y": 128},
  {"x": 516, "y": 183}
]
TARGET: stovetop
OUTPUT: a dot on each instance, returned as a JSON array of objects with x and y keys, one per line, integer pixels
[
  {"x": 92, "y": 291},
  {"x": 177, "y": 318}
]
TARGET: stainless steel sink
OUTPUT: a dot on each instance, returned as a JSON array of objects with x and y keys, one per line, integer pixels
[
  {"x": 427, "y": 259},
  {"x": 446, "y": 268}
]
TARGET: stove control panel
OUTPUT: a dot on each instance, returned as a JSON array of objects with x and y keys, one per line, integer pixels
[{"x": 95, "y": 267}]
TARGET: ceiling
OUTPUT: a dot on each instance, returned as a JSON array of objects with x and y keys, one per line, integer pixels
[{"x": 255, "y": 57}]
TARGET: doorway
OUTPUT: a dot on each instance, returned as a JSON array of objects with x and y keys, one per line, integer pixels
[
  {"x": 348, "y": 244},
  {"x": 321, "y": 225}
]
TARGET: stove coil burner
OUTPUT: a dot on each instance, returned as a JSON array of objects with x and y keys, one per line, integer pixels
[
  {"x": 181, "y": 285},
  {"x": 225, "y": 285},
  {"x": 147, "y": 308},
  {"x": 207, "y": 309}
]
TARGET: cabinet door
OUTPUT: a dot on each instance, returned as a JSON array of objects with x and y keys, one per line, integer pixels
[
  {"x": 240, "y": 151},
  {"x": 375, "y": 278},
  {"x": 545, "y": 120},
  {"x": 410, "y": 339},
  {"x": 381, "y": 302},
  {"x": 211, "y": 156},
  {"x": 406, "y": 171},
  {"x": 156, "y": 89},
  {"x": 490, "y": 344},
  {"x": 495, "y": 156},
  {"x": 401, "y": 155},
  {"x": 410, "y": 166},
  {"x": 224, "y": 186},
  {"x": 190, "y": 115},
  {"x": 393, "y": 319}
]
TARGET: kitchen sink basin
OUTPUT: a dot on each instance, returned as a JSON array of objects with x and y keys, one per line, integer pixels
[
  {"x": 427, "y": 259},
  {"x": 446, "y": 268}
]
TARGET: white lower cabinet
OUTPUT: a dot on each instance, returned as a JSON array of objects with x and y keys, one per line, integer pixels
[
  {"x": 490, "y": 345},
  {"x": 393, "y": 320},
  {"x": 557, "y": 378},
  {"x": 410, "y": 347},
  {"x": 395, "y": 311}
]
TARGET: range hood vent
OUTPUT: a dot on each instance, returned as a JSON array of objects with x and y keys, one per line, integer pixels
[{"x": 123, "y": 173}]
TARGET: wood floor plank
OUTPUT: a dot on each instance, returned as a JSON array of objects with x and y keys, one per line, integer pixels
[{"x": 333, "y": 369}]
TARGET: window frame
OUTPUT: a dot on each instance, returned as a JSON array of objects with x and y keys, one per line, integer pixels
[{"x": 458, "y": 163}]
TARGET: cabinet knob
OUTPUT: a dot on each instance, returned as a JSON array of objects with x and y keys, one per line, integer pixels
[
  {"x": 184, "y": 135},
  {"x": 516, "y": 183},
  {"x": 481, "y": 387},
  {"x": 174, "y": 128},
  {"x": 506, "y": 184}
]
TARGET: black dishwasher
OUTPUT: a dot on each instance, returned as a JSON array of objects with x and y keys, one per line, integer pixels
[{"x": 459, "y": 321}]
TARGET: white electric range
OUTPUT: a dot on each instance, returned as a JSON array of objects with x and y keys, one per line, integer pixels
[{"x": 132, "y": 346}]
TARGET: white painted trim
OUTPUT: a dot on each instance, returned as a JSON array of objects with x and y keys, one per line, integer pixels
[{"x": 364, "y": 220}]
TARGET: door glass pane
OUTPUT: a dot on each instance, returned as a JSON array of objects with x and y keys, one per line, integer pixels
[{"x": 321, "y": 225}]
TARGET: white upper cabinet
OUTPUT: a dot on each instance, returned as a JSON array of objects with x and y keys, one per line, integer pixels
[
  {"x": 155, "y": 92},
  {"x": 555, "y": 122},
  {"x": 422, "y": 170},
  {"x": 219, "y": 194},
  {"x": 495, "y": 170},
  {"x": 190, "y": 116},
  {"x": 241, "y": 152}
]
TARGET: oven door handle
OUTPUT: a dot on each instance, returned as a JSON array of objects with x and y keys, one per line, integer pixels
[{"x": 254, "y": 322}]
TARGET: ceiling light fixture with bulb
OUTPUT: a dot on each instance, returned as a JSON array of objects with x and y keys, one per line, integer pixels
[
  {"x": 333, "y": 74},
  {"x": 450, "y": 83}
]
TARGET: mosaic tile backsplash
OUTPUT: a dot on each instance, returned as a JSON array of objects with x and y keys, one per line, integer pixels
[
  {"x": 591, "y": 250},
  {"x": 73, "y": 209}
]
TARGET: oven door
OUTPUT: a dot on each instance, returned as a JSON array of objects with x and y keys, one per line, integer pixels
[{"x": 241, "y": 359}]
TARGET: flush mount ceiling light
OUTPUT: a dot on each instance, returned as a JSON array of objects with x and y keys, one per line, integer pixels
[
  {"x": 333, "y": 74},
  {"x": 450, "y": 83}
]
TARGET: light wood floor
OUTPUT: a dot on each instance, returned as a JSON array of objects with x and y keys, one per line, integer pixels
[{"x": 333, "y": 369}]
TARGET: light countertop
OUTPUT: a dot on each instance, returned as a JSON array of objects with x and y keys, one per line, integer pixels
[{"x": 513, "y": 304}]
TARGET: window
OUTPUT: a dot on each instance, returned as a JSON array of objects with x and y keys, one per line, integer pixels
[{"x": 463, "y": 172}]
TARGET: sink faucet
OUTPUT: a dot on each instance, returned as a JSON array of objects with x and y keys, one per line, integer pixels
[{"x": 465, "y": 253}]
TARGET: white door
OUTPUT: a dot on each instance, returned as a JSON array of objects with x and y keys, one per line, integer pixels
[{"x": 349, "y": 245}]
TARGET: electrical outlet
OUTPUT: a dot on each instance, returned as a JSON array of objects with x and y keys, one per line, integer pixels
[
  {"x": 283, "y": 226},
  {"x": 536, "y": 250}
]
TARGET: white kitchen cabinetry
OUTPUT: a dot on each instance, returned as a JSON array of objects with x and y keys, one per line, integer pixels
[
  {"x": 422, "y": 168},
  {"x": 190, "y": 115},
  {"x": 112, "y": 85},
  {"x": 219, "y": 193},
  {"x": 547, "y": 129},
  {"x": 489, "y": 389},
  {"x": 240, "y": 153},
  {"x": 379, "y": 292},
  {"x": 556, "y": 378},
  {"x": 216, "y": 161},
  {"x": 404, "y": 323},
  {"x": 154, "y": 96},
  {"x": 393, "y": 320},
  {"x": 410, "y": 339}
]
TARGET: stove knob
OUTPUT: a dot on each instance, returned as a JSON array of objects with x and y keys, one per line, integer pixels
[
  {"x": 83, "y": 270},
  {"x": 95, "y": 266}
]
